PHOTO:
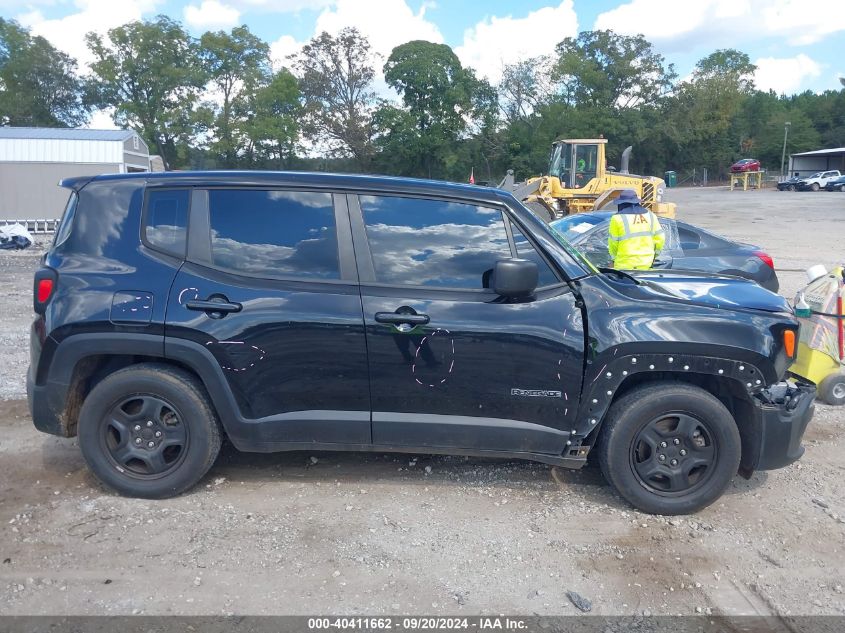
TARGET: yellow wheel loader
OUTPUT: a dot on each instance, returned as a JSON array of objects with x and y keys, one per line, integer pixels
[{"x": 579, "y": 180}]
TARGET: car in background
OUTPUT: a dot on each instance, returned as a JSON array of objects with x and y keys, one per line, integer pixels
[
  {"x": 746, "y": 164},
  {"x": 818, "y": 180},
  {"x": 837, "y": 184},
  {"x": 687, "y": 247},
  {"x": 790, "y": 184}
]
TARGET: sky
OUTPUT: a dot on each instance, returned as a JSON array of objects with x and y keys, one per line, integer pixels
[{"x": 796, "y": 45}]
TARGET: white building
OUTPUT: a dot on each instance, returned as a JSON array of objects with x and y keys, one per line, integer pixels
[
  {"x": 808, "y": 163},
  {"x": 33, "y": 160}
]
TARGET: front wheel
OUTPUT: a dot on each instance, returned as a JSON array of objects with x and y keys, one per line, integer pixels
[
  {"x": 149, "y": 431},
  {"x": 814, "y": 186},
  {"x": 842, "y": 188},
  {"x": 669, "y": 448},
  {"x": 791, "y": 188}
]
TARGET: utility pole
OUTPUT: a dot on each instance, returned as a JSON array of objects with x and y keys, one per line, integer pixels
[{"x": 783, "y": 154}]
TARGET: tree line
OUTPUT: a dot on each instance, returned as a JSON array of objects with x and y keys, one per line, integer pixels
[{"x": 218, "y": 102}]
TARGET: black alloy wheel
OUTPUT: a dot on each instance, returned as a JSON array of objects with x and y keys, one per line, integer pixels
[
  {"x": 674, "y": 454},
  {"x": 145, "y": 436},
  {"x": 149, "y": 430}
]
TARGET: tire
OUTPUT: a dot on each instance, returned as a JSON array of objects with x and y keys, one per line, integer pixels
[
  {"x": 814, "y": 186},
  {"x": 842, "y": 188},
  {"x": 149, "y": 431},
  {"x": 791, "y": 188},
  {"x": 629, "y": 445},
  {"x": 541, "y": 211},
  {"x": 832, "y": 389}
]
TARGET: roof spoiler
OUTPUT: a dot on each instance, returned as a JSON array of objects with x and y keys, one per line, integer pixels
[{"x": 76, "y": 182}]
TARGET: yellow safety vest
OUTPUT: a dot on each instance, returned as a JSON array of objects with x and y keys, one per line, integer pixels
[{"x": 635, "y": 239}]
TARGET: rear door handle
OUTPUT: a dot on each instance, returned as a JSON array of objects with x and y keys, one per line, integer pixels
[
  {"x": 393, "y": 317},
  {"x": 212, "y": 305}
]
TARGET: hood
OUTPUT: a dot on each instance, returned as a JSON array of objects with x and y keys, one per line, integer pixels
[{"x": 714, "y": 290}]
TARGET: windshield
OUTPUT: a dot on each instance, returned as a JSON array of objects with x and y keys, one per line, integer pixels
[
  {"x": 818, "y": 174},
  {"x": 559, "y": 164},
  {"x": 572, "y": 226}
]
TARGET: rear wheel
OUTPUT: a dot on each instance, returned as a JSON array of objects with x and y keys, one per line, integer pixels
[
  {"x": 669, "y": 448},
  {"x": 832, "y": 389},
  {"x": 149, "y": 431}
]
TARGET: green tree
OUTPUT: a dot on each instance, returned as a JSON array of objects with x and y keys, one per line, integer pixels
[
  {"x": 336, "y": 77},
  {"x": 38, "y": 84},
  {"x": 442, "y": 98},
  {"x": 703, "y": 121},
  {"x": 524, "y": 87},
  {"x": 604, "y": 70},
  {"x": 150, "y": 73},
  {"x": 273, "y": 130},
  {"x": 238, "y": 65}
]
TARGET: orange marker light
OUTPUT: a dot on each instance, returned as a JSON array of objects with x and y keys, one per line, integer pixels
[{"x": 789, "y": 342}]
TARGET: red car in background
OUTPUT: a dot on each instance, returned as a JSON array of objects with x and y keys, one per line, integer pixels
[{"x": 746, "y": 164}]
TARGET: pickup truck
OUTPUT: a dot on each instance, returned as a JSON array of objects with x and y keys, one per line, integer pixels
[
  {"x": 818, "y": 180},
  {"x": 295, "y": 311}
]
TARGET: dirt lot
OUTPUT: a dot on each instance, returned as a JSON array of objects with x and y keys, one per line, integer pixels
[{"x": 356, "y": 533}]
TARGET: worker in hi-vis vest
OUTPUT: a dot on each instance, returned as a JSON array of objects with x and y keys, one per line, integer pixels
[{"x": 636, "y": 236}]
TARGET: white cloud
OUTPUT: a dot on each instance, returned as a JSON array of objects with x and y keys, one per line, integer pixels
[
  {"x": 284, "y": 6},
  {"x": 386, "y": 23},
  {"x": 282, "y": 48},
  {"x": 68, "y": 33},
  {"x": 785, "y": 75},
  {"x": 211, "y": 14},
  {"x": 101, "y": 120},
  {"x": 497, "y": 41},
  {"x": 688, "y": 23}
]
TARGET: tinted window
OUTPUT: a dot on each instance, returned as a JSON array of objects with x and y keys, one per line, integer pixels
[
  {"x": 432, "y": 242},
  {"x": 167, "y": 220},
  {"x": 526, "y": 250},
  {"x": 66, "y": 223},
  {"x": 274, "y": 233}
]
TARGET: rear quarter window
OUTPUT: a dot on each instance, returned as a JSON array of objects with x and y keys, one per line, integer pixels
[{"x": 66, "y": 223}]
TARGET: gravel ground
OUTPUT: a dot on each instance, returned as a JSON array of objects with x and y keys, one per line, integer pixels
[{"x": 304, "y": 533}]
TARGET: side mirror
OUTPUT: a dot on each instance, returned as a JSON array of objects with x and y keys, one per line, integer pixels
[{"x": 515, "y": 278}]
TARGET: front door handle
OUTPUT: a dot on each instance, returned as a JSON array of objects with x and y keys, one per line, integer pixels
[
  {"x": 214, "y": 306},
  {"x": 399, "y": 318}
]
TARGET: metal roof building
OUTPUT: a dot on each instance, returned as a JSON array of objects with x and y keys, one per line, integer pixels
[
  {"x": 33, "y": 160},
  {"x": 807, "y": 163}
]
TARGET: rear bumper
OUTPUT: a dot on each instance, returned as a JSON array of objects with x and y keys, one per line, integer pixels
[
  {"x": 779, "y": 426},
  {"x": 46, "y": 404}
]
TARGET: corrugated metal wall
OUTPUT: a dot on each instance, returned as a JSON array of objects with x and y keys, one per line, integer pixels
[
  {"x": 31, "y": 190},
  {"x": 60, "y": 151}
]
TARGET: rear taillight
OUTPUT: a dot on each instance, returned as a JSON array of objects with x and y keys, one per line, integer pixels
[
  {"x": 44, "y": 288},
  {"x": 766, "y": 259}
]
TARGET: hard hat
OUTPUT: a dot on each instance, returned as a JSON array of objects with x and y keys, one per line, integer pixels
[{"x": 628, "y": 196}]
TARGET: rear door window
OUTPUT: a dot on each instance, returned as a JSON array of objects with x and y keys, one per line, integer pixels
[
  {"x": 166, "y": 220},
  {"x": 274, "y": 233}
]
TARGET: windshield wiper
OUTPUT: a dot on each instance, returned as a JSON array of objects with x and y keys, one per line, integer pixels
[{"x": 620, "y": 273}]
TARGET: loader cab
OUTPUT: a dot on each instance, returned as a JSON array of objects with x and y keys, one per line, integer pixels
[{"x": 575, "y": 162}]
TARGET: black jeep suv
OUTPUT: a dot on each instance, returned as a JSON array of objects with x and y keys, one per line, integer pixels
[{"x": 293, "y": 311}]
